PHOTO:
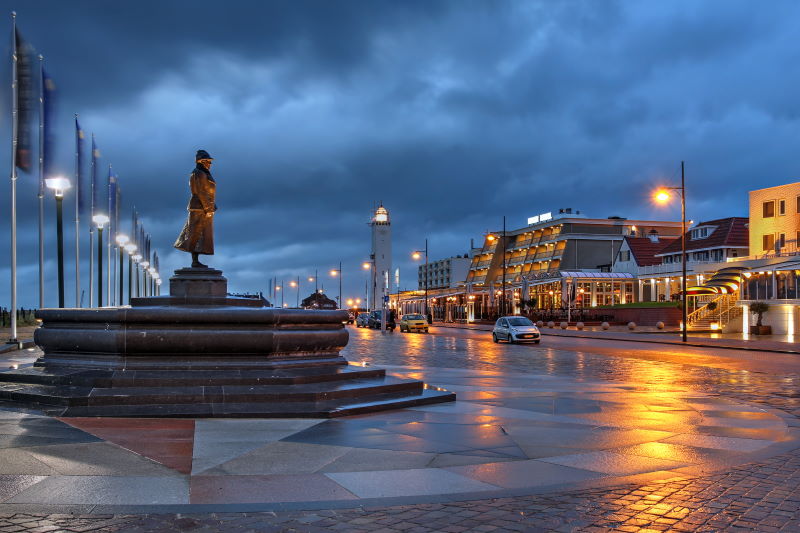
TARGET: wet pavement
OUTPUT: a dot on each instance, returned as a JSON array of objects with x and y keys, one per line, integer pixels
[{"x": 572, "y": 434}]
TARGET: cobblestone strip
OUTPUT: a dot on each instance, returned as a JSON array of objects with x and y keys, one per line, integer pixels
[{"x": 763, "y": 497}]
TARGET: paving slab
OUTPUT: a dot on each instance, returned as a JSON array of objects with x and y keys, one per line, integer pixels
[
  {"x": 616, "y": 464},
  {"x": 260, "y": 489},
  {"x": 115, "y": 490},
  {"x": 394, "y": 483},
  {"x": 519, "y": 474}
]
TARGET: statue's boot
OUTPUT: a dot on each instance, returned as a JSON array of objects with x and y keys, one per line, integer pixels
[{"x": 196, "y": 261}]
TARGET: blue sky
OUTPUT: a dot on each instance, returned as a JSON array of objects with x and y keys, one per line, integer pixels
[{"x": 451, "y": 113}]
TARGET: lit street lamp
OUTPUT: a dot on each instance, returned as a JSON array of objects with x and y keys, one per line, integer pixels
[
  {"x": 338, "y": 272},
  {"x": 136, "y": 259},
  {"x": 122, "y": 240},
  {"x": 416, "y": 256},
  {"x": 100, "y": 220},
  {"x": 662, "y": 196},
  {"x": 131, "y": 249},
  {"x": 59, "y": 185}
]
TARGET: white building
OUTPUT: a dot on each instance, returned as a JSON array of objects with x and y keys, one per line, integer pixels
[
  {"x": 444, "y": 273},
  {"x": 381, "y": 257}
]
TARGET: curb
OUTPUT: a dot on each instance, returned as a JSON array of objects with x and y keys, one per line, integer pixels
[
  {"x": 11, "y": 347},
  {"x": 649, "y": 341}
]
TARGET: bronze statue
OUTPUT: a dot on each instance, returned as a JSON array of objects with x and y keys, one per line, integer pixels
[{"x": 197, "y": 236}]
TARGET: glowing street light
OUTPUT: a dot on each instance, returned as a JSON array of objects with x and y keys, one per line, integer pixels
[
  {"x": 122, "y": 240},
  {"x": 100, "y": 220},
  {"x": 662, "y": 196},
  {"x": 337, "y": 272},
  {"x": 416, "y": 255},
  {"x": 58, "y": 186},
  {"x": 130, "y": 248}
]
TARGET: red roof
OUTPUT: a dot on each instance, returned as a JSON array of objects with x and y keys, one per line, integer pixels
[
  {"x": 643, "y": 250},
  {"x": 729, "y": 233}
]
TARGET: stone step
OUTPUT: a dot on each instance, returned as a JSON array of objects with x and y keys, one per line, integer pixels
[
  {"x": 184, "y": 378},
  {"x": 325, "y": 409},
  {"x": 68, "y": 395}
]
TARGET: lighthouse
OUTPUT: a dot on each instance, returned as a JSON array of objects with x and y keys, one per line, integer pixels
[{"x": 381, "y": 257}]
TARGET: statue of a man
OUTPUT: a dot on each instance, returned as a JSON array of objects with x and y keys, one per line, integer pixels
[{"x": 197, "y": 236}]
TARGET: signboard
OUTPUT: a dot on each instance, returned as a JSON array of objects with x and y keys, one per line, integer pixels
[
  {"x": 386, "y": 299},
  {"x": 544, "y": 217}
]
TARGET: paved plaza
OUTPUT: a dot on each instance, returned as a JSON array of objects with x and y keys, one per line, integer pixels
[{"x": 569, "y": 435}]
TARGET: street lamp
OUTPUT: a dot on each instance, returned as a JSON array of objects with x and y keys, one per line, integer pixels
[
  {"x": 136, "y": 259},
  {"x": 338, "y": 272},
  {"x": 100, "y": 220},
  {"x": 131, "y": 249},
  {"x": 297, "y": 285},
  {"x": 416, "y": 256},
  {"x": 122, "y": 240},
  {"x": 145, "y": 269},
  {"x": 59, "y": 185},
  {"x": 662, "y": 196}
]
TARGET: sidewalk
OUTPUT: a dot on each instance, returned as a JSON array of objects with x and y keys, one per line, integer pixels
[{"x": 728, "y": 341}]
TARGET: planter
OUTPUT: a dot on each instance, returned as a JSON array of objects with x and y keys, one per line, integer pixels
[{"x": 761, "y": 330}]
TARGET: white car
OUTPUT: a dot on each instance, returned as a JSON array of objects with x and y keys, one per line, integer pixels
[{"x": 515, "y": 329}]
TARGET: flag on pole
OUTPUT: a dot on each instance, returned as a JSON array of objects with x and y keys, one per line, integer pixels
[
  {"x": 48, "y": 137},
  {"x": 79, "y": 176},
  {"x": 25, "y": 98},
  {"x": 95, "y": 186}
]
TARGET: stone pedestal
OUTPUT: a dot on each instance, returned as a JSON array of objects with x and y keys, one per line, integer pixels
[
  {"x": 198, "y": 352},
  {"x": 198, "y": 283}
]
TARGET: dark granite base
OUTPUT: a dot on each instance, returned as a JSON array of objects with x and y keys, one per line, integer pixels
[
  {"x": 201, "y": 353},
  {"x": 317, "y": 392}
]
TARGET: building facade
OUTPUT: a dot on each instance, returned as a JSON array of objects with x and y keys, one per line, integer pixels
[
  {"x": 444, "y": 273},
  {"x": 775, "y": 220}
]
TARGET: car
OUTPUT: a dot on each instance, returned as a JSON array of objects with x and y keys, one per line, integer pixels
[
  {"x": 413, "y": 322},
  {"x": 362, "y": 320},
  {"x": 350, "y": 317},
  {"x": 374, "y": 320},
  {"x": 515, "y": 329}
]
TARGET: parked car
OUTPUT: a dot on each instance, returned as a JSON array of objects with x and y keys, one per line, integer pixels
[
  {"x": 515, "y": 329},
  {"x": 374, "y": 320},
  {"x": 362, "y": 320},
  {"x": 413, "y": 322}
]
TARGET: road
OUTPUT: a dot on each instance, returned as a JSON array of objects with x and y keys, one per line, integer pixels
[{"x": 738, "y": 371}]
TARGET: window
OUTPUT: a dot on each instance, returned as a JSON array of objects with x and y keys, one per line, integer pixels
[
  {"x": 699, "y": 233},
  {"x": 768, "y": 209},
  {"x": 798, "y": 204},
  {"x": 768, "y": 242},
  {"x": 781, "y": 207},
  {"x": 625, "y": 255},
  {"x": 782, "y": 240}
]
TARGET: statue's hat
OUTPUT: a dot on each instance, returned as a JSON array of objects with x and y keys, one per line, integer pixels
[{"x": 202, "y": 154}]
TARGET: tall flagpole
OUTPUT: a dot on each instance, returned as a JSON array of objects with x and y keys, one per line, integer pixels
[
  {"x": 93, "y": 177},
  {"x": 108, "y": 237},
  {"x": 41, "y": 182},
  {"x": 77, "y": 213},
  {"x": 14, "y": 134}
]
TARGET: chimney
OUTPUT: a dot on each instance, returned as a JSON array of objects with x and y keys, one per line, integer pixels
[{"x": 653, "y": 235}]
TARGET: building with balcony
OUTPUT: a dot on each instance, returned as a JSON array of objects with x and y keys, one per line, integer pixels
[{"x": 444, "y": 273}]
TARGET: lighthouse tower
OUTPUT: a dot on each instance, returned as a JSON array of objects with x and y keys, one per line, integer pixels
[{"x": 381, "y": 257}]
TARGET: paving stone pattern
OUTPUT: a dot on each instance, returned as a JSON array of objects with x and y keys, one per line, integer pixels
[{"x": 762, "y": 496}]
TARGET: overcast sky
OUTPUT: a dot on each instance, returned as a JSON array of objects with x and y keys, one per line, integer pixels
[{"x": 451, "y": 113}]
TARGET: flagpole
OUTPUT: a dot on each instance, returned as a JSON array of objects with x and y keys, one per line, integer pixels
[
  {"x": 14, "y": 133},
  {"x": 93, "y": 177},
  {"x": 41, "y": 181},
  {"x": 77, "y": 214}
]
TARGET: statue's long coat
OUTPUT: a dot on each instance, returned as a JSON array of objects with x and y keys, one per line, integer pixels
[{"x": 198, "y": 232}]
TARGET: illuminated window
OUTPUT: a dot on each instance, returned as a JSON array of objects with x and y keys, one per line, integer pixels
[
  {"x": 768, "y": 242},
  {"x": 768, "y": 209}
]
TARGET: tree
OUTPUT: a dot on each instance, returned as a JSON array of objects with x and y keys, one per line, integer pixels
[{"x": 759, "y": 308}]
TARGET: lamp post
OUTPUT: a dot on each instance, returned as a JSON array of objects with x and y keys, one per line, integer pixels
[
  {"x": 338, "y": 272},
  {"x": 416, "y": 255},
  {"x": 100, "y": 220},
  {"x": 662, "y": 196},
  {"x": 296, "y": 284},
  {"x": 145, "y": 281},
  {"x": 136, "y": 258},
  {"x": 59, "y": 185},
  {"x": 122, "y": 240},
  {"x": 131, "y": 249},
  {"x": 368, "y": 265}
]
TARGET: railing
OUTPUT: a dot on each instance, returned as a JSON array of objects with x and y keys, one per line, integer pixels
[
  {"x": 724, "y": 311},
  {"x": 516, "y": 261},
  {"x": 670, "y": 268}
]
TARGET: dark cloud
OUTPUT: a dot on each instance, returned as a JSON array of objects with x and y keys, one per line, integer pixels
[{"x": 452, "y": 113}]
